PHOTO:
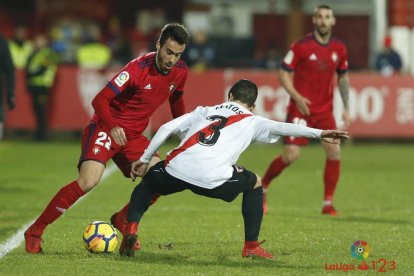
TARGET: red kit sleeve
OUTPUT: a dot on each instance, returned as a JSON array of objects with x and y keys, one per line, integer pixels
[{"x": 101, "y": 105}]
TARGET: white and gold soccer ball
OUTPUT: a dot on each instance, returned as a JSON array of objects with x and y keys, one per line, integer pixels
[{"x": 100, "y": 237}]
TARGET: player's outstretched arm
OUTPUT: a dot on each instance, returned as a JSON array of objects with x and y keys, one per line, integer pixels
[{"x": 334, "y": 136}]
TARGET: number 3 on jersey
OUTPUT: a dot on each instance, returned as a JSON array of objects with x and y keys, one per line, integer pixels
[
  {"x": 209, "y": 135},
  {"x": 103, "y": 140}
]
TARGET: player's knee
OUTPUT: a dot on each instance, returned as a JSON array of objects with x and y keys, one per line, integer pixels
[
  {"x": 333, "y": 153},
  {"x": 87, "y": 183},
  {"x": 258, "y": 182},
  {"x": 290, "y": 157}
]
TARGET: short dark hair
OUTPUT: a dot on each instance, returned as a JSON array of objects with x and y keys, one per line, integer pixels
[
  {"x": 320, "y": 7},
  {"x": 176, "y": 32},
  {"x": 244, "y": 91}
]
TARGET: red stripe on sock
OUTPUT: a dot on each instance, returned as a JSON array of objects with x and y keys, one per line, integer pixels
[{"x": 62, "y": 200}]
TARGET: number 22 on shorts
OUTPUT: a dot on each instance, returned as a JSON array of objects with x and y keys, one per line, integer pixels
[{"x": 103, "y": 140}]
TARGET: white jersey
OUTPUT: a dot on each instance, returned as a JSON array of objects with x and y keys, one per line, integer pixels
[{"x": 214, "y": 138}]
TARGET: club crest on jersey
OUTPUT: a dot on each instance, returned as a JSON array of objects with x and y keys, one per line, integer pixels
[
  {"x": 96, "y": 150},
  {"x": 334, "y": 56},
  {"x": 122, "y": 78},
  {"x": 172, "y": 85}
]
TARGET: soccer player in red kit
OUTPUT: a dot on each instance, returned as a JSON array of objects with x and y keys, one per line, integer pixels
[
  {"x": 122, "y": 112},
  {"x": 314, "y": 60}
]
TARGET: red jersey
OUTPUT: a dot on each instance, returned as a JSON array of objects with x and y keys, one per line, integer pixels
[
  {"x": 315, "y": 65},
  {"x": 140, "y": 88}
]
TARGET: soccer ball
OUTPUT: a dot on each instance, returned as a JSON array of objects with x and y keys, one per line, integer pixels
[{"x": 100, "y": 237}]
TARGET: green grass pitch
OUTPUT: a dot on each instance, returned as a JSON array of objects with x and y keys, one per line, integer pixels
[{"x": 374, "y": 197}]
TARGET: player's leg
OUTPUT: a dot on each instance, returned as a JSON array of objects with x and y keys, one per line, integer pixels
[
  {"x": 252, "y": 212},
  {"x": 156, "y": 181},
  {"x": 131, "y": 152},
  {"x": 90, "y": 172},
  {"x": 248, "y": 183},
  {"x": 331, "y": 176},
  {"x": 332, "y": 163},
  {"x": 291, "y": 152},
  {"x": 120, "y": 219}
]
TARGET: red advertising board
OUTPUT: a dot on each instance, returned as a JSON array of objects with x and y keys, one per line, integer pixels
[{"x": 379, "y": 106}]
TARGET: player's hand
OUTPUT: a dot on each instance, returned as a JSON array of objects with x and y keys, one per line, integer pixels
[
  {"x": 118, "y": 134},
  {"x": 138, "y": 168},
  {"x": 334, "y": 136},
  {"x": 346, "y": 118},
  {"x": 302, "y": 104}
]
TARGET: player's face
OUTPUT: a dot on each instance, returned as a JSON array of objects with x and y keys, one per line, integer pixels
[
  {"x": 324, "y": 20},
  {"x": 168, "y": 54}
]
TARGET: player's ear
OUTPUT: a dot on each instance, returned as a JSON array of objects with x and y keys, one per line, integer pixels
[
  {"x": 158, "y": 45},
  {"x": 251, "y": 108},
  {"x": 230, "y": 97}
]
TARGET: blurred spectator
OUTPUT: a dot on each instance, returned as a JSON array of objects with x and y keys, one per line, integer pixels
[
  {"x": 388, "y": 61},
  {"x": 93, "y": 54},
  {"x": 200, "y": 53},
  {"x": 40, "y": 76},
  {"x": 7, "y": 75},
  {"x": 65, "y": 38},
  {"x": 273, "y": 59},
  {"x": 118, "y": 43},
  {"x": 269, "y": 61},
  {"x": 259, "y": 60},
  {"x": 20, "y": 47}
]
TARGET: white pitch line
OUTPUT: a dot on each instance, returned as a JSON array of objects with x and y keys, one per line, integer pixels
[{"x": 15, "y": 241}]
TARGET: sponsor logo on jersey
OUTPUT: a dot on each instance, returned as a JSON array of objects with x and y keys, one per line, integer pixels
[
  {"x": 96, "y": 150},
  {"x": 289, "y": 57},
  {"x": 122, "y": 78},
  {"x": 334, "y": 56},
  {"x": 62, "y": 210},
  {"x": 148, "y": 86},
  {"x": 172, "y": 85},
  {"x": 313, "y": 57}
]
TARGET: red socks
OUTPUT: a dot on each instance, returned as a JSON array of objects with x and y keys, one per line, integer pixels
[
  {"x": 251, "y": 244},
  {"x": 63, "y": 199},
  {"x": 275, "y": 168},
  {"x": 331, "y": 176}
]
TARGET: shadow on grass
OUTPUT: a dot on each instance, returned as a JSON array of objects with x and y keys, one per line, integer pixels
[
  {"x": 372, "y": 220},
  {"x": 198, "y": 261},
  {"x": 341, "y": 218}
]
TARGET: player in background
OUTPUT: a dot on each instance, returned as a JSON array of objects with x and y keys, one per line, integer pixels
[
  {"x": 122, "y": 112},
  {"x": 204, "y": 162},
  {"x": 314, "y": 60}
]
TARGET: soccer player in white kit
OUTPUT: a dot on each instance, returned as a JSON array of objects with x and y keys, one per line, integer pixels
[{"x": 204, "y": 162}]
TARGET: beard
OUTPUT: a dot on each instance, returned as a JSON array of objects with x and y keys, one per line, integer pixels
[
  {"x": 162, "y": 64},
  {"x": 323, "y": 32}
]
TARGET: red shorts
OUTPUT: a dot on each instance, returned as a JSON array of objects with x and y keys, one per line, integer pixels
[
  {"x": 322, "y": 121},
  {"x": 97, "y": 145}
]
